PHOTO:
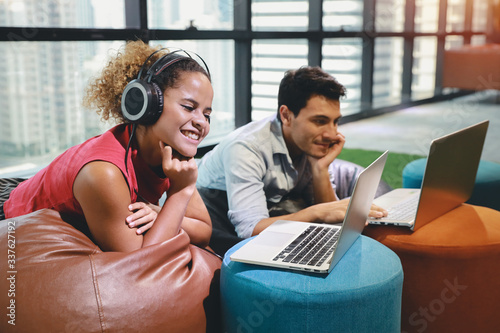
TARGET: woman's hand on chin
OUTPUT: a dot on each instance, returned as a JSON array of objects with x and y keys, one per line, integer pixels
[{"x": 181, "y": 170}]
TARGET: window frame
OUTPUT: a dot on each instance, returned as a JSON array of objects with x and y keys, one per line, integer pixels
[{"x": 136, "y": 21}]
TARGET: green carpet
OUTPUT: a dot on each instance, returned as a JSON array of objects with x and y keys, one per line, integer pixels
[{"x": 394, "y": 166}]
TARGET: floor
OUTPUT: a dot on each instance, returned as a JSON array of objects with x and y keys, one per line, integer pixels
[{"x": 411, "y": 130}]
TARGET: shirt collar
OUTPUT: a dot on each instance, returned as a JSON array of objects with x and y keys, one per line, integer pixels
[
  {"x": 279, "y": 145},
  {"x": 278, "y": 141}
]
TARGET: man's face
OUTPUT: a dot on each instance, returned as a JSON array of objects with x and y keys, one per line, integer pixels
[{"x": 314, "y": 130}]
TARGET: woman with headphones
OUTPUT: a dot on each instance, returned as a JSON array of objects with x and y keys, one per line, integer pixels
[{"x": 162, "y": 101}]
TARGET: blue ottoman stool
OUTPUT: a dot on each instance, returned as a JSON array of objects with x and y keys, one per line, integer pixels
[
  {"x": 361, "y": 294},
  {"x": 486, "y": 189}
]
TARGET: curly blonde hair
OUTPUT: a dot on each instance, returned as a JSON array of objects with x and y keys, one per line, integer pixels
[{"x": 104, "y": 92}]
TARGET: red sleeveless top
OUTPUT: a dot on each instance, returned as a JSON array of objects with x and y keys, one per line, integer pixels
[{"x": 52, "y": 187}]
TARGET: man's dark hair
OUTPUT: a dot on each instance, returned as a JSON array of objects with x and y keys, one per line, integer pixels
[{"x": 298, "y": 86}]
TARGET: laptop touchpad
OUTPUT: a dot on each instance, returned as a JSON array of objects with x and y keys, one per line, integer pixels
[{"x": 274, "y": 239}]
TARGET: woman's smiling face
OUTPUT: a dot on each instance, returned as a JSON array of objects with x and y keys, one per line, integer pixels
[{"x": 185, "y": 120}]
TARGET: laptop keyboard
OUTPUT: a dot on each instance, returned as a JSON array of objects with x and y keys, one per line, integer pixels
[
  {"x": 312, "y": 247},
  {"x": 404, "y": 210}
]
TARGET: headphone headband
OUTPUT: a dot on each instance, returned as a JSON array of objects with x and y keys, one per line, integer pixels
[
  {"x": 162, "y": 65},
  {"x": 146, "y": 61},
  {"x": 142, "y": 99},
  {"x": 153, "y": 71}
]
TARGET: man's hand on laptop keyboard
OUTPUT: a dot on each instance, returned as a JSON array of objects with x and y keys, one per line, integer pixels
[
  {"x": 328, "y": 212},
  {"x": 377, "y": 212},
  {"x": 334, "y": 212}
]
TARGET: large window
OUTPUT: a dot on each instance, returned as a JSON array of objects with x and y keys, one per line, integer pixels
[
  {"x": 192, "y": 14},
  {"x": 343, "y": 15},
  {"x": 342, "y": 58},
  {"x": 426, "y": 15},
  {"x": 270, "y": 60},
  {"x": 63, "y": 13},
  {"x": 280, "y": 15},
  {"x": 386, "y": 52},
  {"x": 390, "y": 15},
  {"x": 455, "y": 15},
  {"x": 388, "y": 69},
  {"x": 480, "y": 14},
  {"x": 41, "y": 104},
  {"x": 424, "y": 67}
]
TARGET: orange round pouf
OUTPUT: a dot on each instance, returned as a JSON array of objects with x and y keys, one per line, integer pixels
[{"x": 451, "y": 271}]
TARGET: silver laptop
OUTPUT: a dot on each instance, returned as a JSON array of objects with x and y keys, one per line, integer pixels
[
  {"x": 448, "y": 180},
  {"x": 315, "y": 247}
]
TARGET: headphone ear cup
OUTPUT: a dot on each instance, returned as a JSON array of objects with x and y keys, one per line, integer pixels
[
  {"x": 156, "y": 109},
  {"x": 142, "y": 102}
]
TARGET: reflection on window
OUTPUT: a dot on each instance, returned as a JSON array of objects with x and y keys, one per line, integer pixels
[
  {"x": 42, "y": 82},
  {"x": 424, "y": 67},
  {"x": 41, "y": 107},
  {"x": 270, "y": 60},
  {"x": 219, "y": 57},
  {"x": 62, "y": 14},
  {"x": 343, "y": 15},
  {"x": 290, "y": 15},
  {"x": 426, "y": 15},
  {"x": 479, "y": 15},
  {"x": 455, "y": 15},
  {"x": 387, "y": 73},
  {"x": 478, "y": 40},
  {"x": 342, "y": 59},
  {"x": 192, "y": 14},
  {"x": 453, "y": 42},
  {"x": 390, "y": 15}
]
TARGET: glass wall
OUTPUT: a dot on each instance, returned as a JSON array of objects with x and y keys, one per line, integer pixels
[
  {"x": 453, "y": 42},
  {"x": 342, "y": 59},
  {"x": 424, "y": 68},
  {"x": 426, "y": 15},
  {"x": 388, "y": 70},
  {"x": 41, "y": 106},
  {"x": 479, "y": 15},
  {"x": 192, "y": 14},
  {"x": 343, "y": 15},
  {"x": 455, "y": 15},
  {"x": 390, "y": 15},
  {"x": 63, "y": 13},
  {"x": 41, "y": 102},
  {"x": 290, "y": 15},
  {"x": 270, "y": 60},
  {"x": 50, "y": 48}
]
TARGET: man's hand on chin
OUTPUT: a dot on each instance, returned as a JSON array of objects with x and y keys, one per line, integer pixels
[{"x": 335, "y": 149}]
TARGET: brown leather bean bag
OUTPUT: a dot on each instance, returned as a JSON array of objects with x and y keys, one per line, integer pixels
[{"x": 60, "y": 281}]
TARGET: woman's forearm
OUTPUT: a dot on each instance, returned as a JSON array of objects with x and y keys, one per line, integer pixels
[{"x": 170, "y": 217}]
